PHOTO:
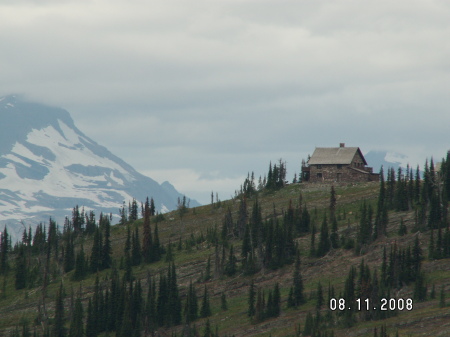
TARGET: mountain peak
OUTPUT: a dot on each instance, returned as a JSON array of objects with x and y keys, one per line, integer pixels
[{"x": 48, "y": 166}]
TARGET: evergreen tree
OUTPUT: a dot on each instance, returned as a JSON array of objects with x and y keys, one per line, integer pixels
[
  {"x": 205, "y": 310},
  {"x": 324, "y": 239},
  {"x": 381, "y": 216},
  {"x": 297, "y": 290},
  {"x": 332, "y": 202},
  {"x": 319, "y": 296},
  {"x": 442, "y": 303},
  {"x": 230, "y": 267},
  {"x": 96, "y": 252},
  {"x": 251, "y": 300},
  {"x": 191, "y": 306},
  {"x": 223, "y": 302},
  {"x": 334, "y": 236},
  {"x": 4, "y": 251},
  {"x": 309, "y": 324},
  {"x": 80, "y": 266},
  {"x": 207, "y": 332},
  {"x": 21, "y": 269},
  {"x": 69, "y": 252},
  {"x": 420, "y": 289},
  {"x": 106, "y": 249},
  {"x": 276, "y": 301},
  {"x": 147, "y": 244},
  {"x": 136, "y": 256},
  {"x": 76, "y": 324},
  {"x": 173, "y": 301},
  {"x": 59, "y": 319}
]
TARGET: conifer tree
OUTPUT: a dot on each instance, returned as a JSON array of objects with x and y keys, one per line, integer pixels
[
  {"x": 96, "y": 252},
  {"x": 312, "y": 249},
  {"x": 69, "y": 252},
  {"x": 173, "y": 301},
  {"x": 21, "y": 269},
  {"x": 4, "y": 251},
  {"x": 442, "y": 303},
  {"x": 276, "y": 300},
  {"x": 147, "y": 244},
  {"x": 205, "y": 310},
  {"x": 297, "y": 289},
  {"x": 207, "y": 332},
  {"x": 136, "y": 256},
  {"x": 230, "y": 267},
  {"x": 334, "y": 236},
  {"x": 191, "y": 306},
  {"x": 251, "y": 300},
  {"x": 223, "y": 302},
  {"x": 59, "y": 319},
  {"x": 76, "y": 324},
  {"x": 106, "y": 249},
  {"x": 319, "y": 296},
  {"x": 80, "y": 266},
  {"x": 324, "y": 239},
  {"x": 420, "y": 289},
  {"x": 332, "y": 202}
]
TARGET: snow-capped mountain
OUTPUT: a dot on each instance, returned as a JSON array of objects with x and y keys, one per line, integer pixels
[
  {"x": 48, "y": 166},
  {"x": 376, "y": 159}
]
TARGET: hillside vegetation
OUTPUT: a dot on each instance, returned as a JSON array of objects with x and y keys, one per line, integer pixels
[{"x": 277, "y": 260}]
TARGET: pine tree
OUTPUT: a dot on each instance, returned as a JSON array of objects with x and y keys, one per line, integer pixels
[
  {"x": 297, "y": 291},
  {"x": 205, "y": 310},
  {"x": 76, "y": 324},
  {"x": 276, "y": 301},
  {"x": 324, "y": 239},
  {"x": 147, "y": 244},
  {"x": 96, "y": 252},
  {"x": 191, "y": 306},
  {"x": 309, "y": 324},
  {"x": 251, "y": 300},
  {"x": 332, "y": 202},
  {"x": 319, "y": 296},
  {"x": 4, "y": 251},
  {"x": 207, "y": 332},
  {"x": 80, "y": 266},
  {"x": 223, "y": 302},
  {"x": 230, "y": 267},
  {"x": 59, "y": 319},
  {"x": 334, "y": 236},
  {"x": 136, "y": 256},
  {"x": 69, "y": 252},
  {"x": 442, "y": 303},
  {"x": 21, "y": 269},
  {"x": 106, "y": 249},
  {"x": 420, "y": 289},
  {"x": 381, "y": 216}
]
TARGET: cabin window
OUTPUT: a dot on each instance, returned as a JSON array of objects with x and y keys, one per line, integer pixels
[
  {"x": 319, "y": 166},
  {"x": 319, "y": 175},
  {"x": 339, "y": 166}
]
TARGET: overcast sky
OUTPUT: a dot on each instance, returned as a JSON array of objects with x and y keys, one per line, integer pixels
[{"x": 201, "y": 92}]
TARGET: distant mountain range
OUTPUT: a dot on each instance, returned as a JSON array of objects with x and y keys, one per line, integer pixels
[
  {"x": 48, "y": 166},
  {"x": 376, "y": 159}
]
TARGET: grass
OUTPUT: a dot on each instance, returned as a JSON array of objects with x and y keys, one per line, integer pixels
[{"x": 191, "y": 264}]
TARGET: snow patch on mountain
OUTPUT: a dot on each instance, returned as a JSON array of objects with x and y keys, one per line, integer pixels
[{"x": 47, "y": 166}]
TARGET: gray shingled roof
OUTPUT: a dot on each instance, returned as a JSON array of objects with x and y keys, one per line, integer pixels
[{"x": 334, "y": 155}]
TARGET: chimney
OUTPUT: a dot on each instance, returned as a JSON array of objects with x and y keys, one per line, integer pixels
[{"x": 341, "y": 144}]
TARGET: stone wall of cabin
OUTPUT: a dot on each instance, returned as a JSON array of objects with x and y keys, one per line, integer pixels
[{"x": 346, "y": 174}]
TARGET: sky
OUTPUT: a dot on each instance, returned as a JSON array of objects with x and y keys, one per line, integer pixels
[{"x": 200, "y": 93}]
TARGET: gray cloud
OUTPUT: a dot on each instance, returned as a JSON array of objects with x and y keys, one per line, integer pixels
[{"x": 216, "y": 89}]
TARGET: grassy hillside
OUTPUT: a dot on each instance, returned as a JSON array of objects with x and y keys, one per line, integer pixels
[{"x": 187, "y": 233}]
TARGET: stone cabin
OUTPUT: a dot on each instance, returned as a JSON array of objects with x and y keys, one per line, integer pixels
[{"x": 337, "y": 164}]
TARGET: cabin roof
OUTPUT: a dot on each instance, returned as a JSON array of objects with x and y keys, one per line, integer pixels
[{"x": 334, "y": 155}]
